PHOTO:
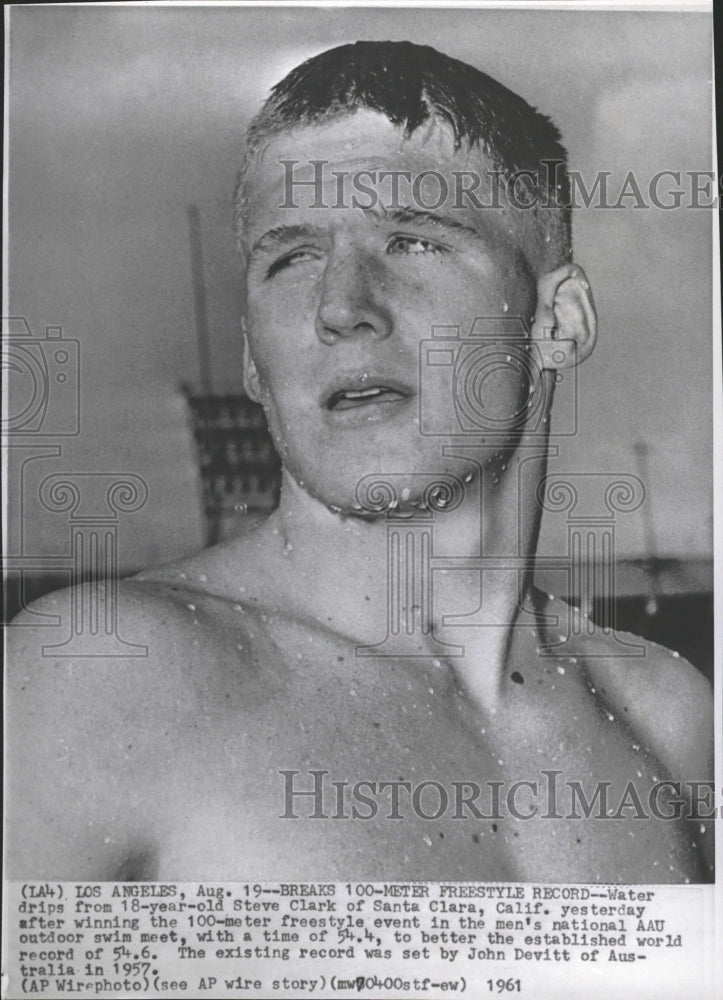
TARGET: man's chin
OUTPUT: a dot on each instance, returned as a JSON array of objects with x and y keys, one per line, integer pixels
[{"x": 380, "y": 494}]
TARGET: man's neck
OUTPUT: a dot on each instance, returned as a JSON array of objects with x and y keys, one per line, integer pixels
[{"x": 418, "y": 582}]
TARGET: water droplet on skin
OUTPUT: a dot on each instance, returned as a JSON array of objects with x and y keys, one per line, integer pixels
[
  {"x": 468, "y": 478},
  {"x": 237, "y": 607},
  {"x": 203, "y": 578},
  {"x": 560, "y": 669},
  {"x": 702, "y": 827},
  {"x": 405, "y": 494},
  {"x": 673, "y": 653},
  {"x": 191, "y": 607},
  {"x": 508, "y": 357},
  {"x": 183, "y": 576},
  {"x": 636, "y": 747},
  {"x": 241, "y": 508},
  {"x": 505, "y": 307},
  {"x": 427, "y": 840},
  {"x": 611, "y": 717},
  {"x": 547, "y": 237},
  {"x": 436, "y": 663}
]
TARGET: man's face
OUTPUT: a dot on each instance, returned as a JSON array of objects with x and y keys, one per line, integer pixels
[{"x": 340, "y": 299}]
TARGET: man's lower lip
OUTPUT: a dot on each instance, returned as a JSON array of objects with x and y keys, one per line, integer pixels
[{"x": 367, "y": 412}]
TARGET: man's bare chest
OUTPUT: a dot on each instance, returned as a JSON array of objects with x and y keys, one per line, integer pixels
[{"x": 306, "y": 760}]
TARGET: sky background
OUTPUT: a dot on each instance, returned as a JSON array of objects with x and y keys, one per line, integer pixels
[{"x": 120, "y": 118}]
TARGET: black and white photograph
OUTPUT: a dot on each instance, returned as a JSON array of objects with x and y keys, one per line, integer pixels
[{"x": 361, "y": 372}]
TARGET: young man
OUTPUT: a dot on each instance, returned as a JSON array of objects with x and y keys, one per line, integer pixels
[{"x": 365, "y": 685}]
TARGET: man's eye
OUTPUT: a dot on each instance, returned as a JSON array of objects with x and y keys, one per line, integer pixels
[
  {"x": 289, "y": 259},
  {"x": 413, "y": 245}
]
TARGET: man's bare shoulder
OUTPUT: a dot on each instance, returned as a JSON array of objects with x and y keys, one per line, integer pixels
[
  {"x": 661, "y": 697},
  {"x": 93, "y": 622},
  {"x": 101, "y": 684}
]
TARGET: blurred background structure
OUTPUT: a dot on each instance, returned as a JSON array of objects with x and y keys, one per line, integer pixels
[{"x": 120, "y": 118}]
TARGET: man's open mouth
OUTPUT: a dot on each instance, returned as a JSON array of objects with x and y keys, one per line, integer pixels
[{"x": 348, "y": 399}]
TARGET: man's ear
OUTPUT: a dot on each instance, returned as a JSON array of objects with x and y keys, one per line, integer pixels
[
  {"x": 250, "y": 375},
  {"x": 565, "y": 326}
]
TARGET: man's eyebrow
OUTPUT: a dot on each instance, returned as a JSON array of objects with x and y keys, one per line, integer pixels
[
  {"x": 281, "y": 236},
  {"x": 424, "y": 217}
]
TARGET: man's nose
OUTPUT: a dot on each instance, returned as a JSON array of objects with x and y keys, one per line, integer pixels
[{"x": 350, "y": 301}]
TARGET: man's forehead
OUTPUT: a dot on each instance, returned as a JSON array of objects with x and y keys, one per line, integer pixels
[
  {"x": 366, "y": 139},
  {"x": 324, "y": 174}
]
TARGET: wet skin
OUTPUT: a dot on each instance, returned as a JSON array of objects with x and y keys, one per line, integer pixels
[{"x": 168, "y": 766}]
